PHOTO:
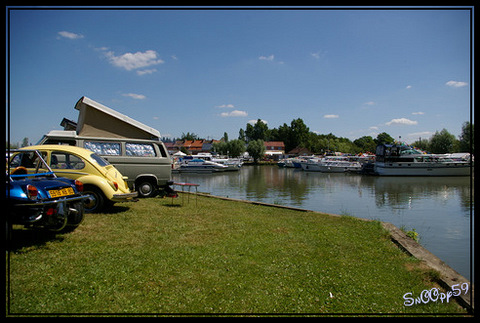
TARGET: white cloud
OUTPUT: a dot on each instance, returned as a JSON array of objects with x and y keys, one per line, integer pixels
[
  {"x": 402, "y": 121},
  {"x": 369, "y": 103},
  {"x": 330, "y": 116},
  {"x": 254, "y": 121},
  {"x": 267, "y": 58},
  {"x": 408, "y": 87},
  {"x": 135, "y": 96},
  {"x": 418, "y": 113},
  {"x": 131, "y": 61},
  {"x": 69, "y": 35},
  {"x": 143, "y": 72},
  {"x": 226, "y": 106},
  {"x": 373, "y": 128},
  {"x": 234, "y": 113},
  {"x": 456, "y": 84}
]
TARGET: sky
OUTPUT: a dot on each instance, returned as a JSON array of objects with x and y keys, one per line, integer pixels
[{"x": 348, "y": 72}]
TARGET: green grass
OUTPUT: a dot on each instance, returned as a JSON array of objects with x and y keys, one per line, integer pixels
[{"x": 217, "y": 257}]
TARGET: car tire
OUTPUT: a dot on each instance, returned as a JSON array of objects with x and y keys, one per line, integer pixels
[
  {"x": 74, "y": 219},
  {"x": 96, "y": 202},
  {"x": 146, "y": 188}
]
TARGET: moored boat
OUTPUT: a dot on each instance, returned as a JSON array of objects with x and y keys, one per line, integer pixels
[
  {"x": 402, "y": 160},
  {"x": 231, "y": 163},
  {"x": 197, "y": 165},
  {"x": 332, "y": 164},
  {"x": 340, "y": 166}
]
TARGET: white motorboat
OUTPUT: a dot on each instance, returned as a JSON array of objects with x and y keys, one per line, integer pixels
[
  {"x": 340, "y": 166},
  {"x": 312, "y": 165},
  {"x": 401, "y": 160},
  {"x": 231, "y": 163},
  {"x": 198, "y": 166},
  {"x": 332, "y": 164}
]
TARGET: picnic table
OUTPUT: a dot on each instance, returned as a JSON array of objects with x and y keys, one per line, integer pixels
[{"x": 189, "y": 185}]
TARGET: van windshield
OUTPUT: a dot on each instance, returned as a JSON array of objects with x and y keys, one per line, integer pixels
[{"x": 99, "y": 160}]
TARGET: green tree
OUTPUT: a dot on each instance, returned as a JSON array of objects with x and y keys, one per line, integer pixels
[
  {"x": 442, "y": 142},
  {"x": 256, "y": 149},
  {"x": 24, "y": 142},
  {"x": 298, "y": 134},
  {"x": 235, "y": 147},
  {"x": 241, "y": 135},
  {"x": 466, "y": 138},
  {"x": 220, "y": 147},
  {"x": 423, "y": 144},
  {"x": 365, "y": 143},
  {"x": 258, "y": 131},
  {"x": 249, "y": 132},
  {"x": 189, "y": 136},
  {"x": 384, "y": 138}
]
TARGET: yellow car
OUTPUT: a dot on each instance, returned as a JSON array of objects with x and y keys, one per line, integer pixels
[{"x": 101, "y": 180}]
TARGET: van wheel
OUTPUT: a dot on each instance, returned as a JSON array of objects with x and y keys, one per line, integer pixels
[
  {"x": 146, "y": 188},
  {"x": 96, "y": 201}
]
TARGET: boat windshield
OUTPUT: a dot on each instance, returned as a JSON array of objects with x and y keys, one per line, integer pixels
[{"x": 410, "y": 151}]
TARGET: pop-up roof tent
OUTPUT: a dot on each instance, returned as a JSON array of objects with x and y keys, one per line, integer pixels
[{"x": 97, "y": 120}]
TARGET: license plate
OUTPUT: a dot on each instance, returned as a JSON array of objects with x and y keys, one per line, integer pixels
[{"x": 63, "y": 192}]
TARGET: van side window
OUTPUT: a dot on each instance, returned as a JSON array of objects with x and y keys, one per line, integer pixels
[
  {"x": 162, "y": 150},
  {"x": 103, "y": 148},
  {"x": 140, "y": 150}
]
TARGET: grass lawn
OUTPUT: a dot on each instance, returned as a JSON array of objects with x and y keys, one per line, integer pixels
[{"x": 215, "y": 257}]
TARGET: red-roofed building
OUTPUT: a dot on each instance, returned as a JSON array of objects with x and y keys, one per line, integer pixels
[
  {"x": 194, "y": 146},
  {"x": 274, "y": 149}
]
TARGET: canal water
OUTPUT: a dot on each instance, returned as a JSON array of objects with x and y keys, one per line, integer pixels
[{"x": 438, "y": 208}]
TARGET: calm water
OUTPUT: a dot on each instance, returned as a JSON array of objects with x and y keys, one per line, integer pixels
[{"x": 438, "y": 208}]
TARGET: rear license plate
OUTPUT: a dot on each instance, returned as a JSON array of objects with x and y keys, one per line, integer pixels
[{"x": 63, "y": 192}]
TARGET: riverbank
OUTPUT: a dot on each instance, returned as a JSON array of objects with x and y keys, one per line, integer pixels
[{"x": 216, "y": 256}]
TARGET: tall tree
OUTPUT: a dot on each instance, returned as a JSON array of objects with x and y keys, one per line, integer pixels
[
  {"x": 365, "y": 143},
  {"x": 298, "y": 134},
  {"x": 384, "y": 138},
  {"x": 258, "y": 131},
  {"x": 235, "y": 147},
  {"x": 24, "y": 142},
  {"x": 442, "y": 142},
  {"x": 466, "y": 138},
  {"x": 241, "y": 135},
  {"x": 256, "y": 149},
  {"x": 189, "y": 136}
]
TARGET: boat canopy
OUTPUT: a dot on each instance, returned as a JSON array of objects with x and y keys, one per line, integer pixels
[{"x": 97, "y": 120}]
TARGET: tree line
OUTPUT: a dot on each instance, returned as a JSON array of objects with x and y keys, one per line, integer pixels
[{"x": 297, "y": 134}]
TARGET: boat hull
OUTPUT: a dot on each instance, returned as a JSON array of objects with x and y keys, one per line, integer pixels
[
  {"x": 421, "y": 170},
  {"x": 311, "y": 167},
  {"x": 198, "y": 169},
  {"x": 338, "y": 169}
]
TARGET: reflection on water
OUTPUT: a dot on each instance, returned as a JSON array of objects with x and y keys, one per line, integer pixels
[{"x": 438, "y": 208}]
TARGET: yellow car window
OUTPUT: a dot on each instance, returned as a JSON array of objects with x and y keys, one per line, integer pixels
[{"x": 63, "y": 160}]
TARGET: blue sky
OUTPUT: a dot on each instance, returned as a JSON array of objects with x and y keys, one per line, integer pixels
[{"x": 347, "y": 72}]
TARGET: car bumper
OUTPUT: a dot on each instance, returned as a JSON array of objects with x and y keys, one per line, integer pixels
[
  {"x": 55, "y": 201},
  {"x": 126, "y": 197}
]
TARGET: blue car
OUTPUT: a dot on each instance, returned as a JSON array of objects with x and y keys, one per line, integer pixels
[{"x": 39, "y": 199}]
